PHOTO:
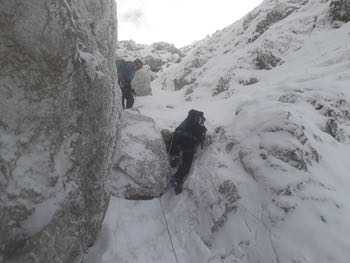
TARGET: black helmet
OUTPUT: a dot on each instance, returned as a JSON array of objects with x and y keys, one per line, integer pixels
[
  {"x": 196, "y": 116},
  {"x": 138, "y": 62}
]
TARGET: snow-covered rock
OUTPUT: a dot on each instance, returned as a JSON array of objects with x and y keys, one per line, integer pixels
[
  {"x": 142, "y": 82},
  {"x": 156, "y": 56},
  {"x": 58, "y": 120},
  {"x": 340, "y": 10},
  {"x": 140, "y": 166},
  {"x": 260, "y": 41}
]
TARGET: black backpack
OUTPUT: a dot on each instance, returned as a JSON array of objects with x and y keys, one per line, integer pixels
[
  {"x": 121, "y": 67},
  {"x": 193, "y": 127}
]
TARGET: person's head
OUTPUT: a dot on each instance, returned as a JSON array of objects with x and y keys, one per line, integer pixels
[
  {"x": 196, "y": 117},
  {"x": 138, "y": 64}
]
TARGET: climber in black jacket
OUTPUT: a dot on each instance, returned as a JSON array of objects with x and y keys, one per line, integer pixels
[
  {"x": 126, "y": 72},
  {"x": 186, "y": 138}
]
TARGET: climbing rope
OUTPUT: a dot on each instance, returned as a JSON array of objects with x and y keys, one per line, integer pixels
[{"x": 169, "y": 233}]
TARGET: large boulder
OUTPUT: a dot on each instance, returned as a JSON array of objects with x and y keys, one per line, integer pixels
[
  {"x": 140, "y": 166},
  {"x": 57, "y": 126},
  {"x": 142, "y": 82}
]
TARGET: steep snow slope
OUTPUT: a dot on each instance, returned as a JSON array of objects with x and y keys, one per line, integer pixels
[
  {"x": 235, "y": 56},
  {"x": 272, "y": 184}
]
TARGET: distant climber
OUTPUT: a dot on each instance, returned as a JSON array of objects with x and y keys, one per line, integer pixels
[
  {"x": 126, "y": 72},
  {"x": 184, "y": 141}
]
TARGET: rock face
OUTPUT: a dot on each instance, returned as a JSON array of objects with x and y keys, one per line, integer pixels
[
  {"x": 259, "y": 41},
  {"x": 57, "y": 126},
  {"x": 340, "y": 10},
  {"x": 141, "y": 168}
]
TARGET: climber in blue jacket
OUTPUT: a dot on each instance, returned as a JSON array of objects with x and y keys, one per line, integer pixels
[{"x": 126, "y": 72}]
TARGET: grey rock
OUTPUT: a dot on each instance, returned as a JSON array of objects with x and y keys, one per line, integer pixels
[
  {"x": 249, "y": 81},
  {"x": 189, "y": 91},
  {"x": 297, "y": 151},
  {"x": 142, "y": 82},
  {"x": 332, "y": 128},
  {"x": 339, "y": 10},
  {"x": 155, "y": 64},
  {"x": 163, "y": 46},
  {"x": 130, "y": 45},
  {"x": 140, "y": 167},
  {"x": 280, "y": 12},
  {"x": 271, "y": 18},
  {"x": 336, "y": 108},
  {"x": 289, "y": 98},
  {"x": 183, "y": 81},
  {"x": 250, "y": 18},
  {"x": 223, "y": 85},
  {"x": 266, "y": 60},
  {"x": 228, "y": 196},
  {"x": 157, "y": 56},
  {"x": 57, "y": 126}
]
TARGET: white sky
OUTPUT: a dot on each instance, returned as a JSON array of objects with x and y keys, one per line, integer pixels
[{"x": 177, "y": 21}]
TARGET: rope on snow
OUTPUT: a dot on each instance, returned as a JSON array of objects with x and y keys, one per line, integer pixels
[{"x": 169, "y": 233}]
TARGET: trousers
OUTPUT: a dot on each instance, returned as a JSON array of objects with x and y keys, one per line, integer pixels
[{"x": 127, "y": 96}]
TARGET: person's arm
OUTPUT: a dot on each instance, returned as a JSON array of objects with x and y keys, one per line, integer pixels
[{"x": 201, "y": 135}]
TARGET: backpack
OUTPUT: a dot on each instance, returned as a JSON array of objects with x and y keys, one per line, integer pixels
[
  {"x": 192, "y": 129},
  {"x": 125, "y": 71}
]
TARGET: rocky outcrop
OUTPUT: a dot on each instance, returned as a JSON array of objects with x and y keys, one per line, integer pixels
[
  {"x": 57, "y": 126},
  {"x": 282, "y": 139},
  {"x": 140, "y": 166},
  {"x": 223, "y": 85},
  {"x": 340, "y": 10},
  {"x": 278, "y": 13},
  {"x": 157, "y": 56},
  {"x": 335, "y": 112},
  {"x": 266, "y": 60},
  {"x": 154, "y": 63}
]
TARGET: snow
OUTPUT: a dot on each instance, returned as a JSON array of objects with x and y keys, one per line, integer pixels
[
  {"x": 270, "y": 139},
  {"x": 126, "y": 229}
]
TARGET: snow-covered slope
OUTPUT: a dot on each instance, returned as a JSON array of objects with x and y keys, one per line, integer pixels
[
  {"x": 240, "y": 54},
  {"x": 272, "y": 185},
  {"x": 157, "y": 55}
]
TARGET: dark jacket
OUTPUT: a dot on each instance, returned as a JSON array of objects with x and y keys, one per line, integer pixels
[
  {"x": 191, "y": 132},
  {"x": 126, "y": 71}
]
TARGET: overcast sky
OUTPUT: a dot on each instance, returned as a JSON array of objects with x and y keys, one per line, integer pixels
[{"x": 177, "y": 21}]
